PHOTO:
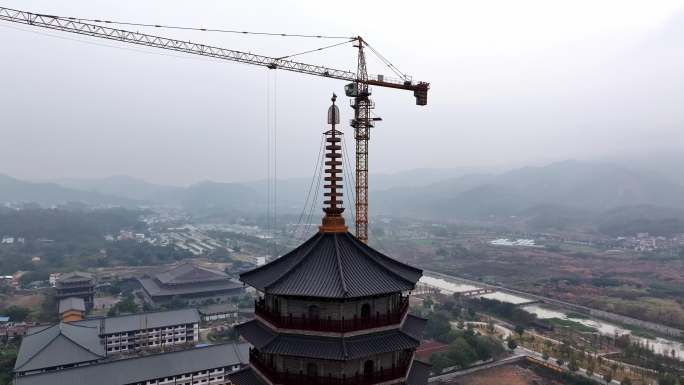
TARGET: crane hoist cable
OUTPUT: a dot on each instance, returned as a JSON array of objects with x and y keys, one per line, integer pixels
[
  {"x": 316, "y": 49},
  {"x": 292, "y": 233},
  {"x": 389, "y": 64},
  {"x": 200, "y": 29}
]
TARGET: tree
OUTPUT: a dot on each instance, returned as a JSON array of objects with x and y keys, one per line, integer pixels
[
  {"x": 439, "y": 362},
  {"x": 438, "y": 327},
  {"x": 16, "y": 313},
  {"x": 545, "y": 356},
  {"x": 511, "y": 343},
  {"x": 461, "y": 353},
  {"x": 666, "y": 379},
  {"x": 428, "y": 302},
  {"x": 519, "y": 330},
  {"x": 608, "y": 377}
]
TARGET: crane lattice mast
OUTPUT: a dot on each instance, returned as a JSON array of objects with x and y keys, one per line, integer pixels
[{"x": 358, "y": 88}]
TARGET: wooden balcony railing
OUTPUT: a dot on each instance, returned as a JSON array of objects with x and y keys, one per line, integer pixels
[
  {"x": 328, "y": 324},
  {"x": 289, "y": 378}
]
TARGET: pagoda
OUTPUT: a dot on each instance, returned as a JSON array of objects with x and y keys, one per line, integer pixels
[{"x": 333, "y": 311}]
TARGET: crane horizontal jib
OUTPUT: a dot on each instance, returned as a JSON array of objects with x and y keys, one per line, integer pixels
[{"x": 74, "y": 26}]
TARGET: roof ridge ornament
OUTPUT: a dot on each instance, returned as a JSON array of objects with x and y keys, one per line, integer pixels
[{"x": 333, "y": 221}]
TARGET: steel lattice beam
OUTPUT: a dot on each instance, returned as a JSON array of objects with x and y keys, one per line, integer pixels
[{"x": 362, "y": 121}]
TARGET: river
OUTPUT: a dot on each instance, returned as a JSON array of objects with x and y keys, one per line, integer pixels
[{"x": 659, "y": 345}]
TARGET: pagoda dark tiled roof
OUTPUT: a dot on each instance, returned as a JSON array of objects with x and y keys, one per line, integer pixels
[
  {"x": 331, "y": 348},
  {"x": 333, "y": 265},
  {"x": 414, "y": 326},
  {"x": 420, "y": 371}
]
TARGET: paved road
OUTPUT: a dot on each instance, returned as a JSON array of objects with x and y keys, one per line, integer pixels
[{"x": 489, "y": 365}]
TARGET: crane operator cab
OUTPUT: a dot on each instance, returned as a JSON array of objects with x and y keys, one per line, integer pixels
[{"x": 352, "y": 90}]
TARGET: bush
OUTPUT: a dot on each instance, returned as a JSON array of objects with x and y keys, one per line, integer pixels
[{"x": 16, "y": 313}]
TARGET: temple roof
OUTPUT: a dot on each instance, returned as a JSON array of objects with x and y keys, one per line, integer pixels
[
  {"x": 333, "y": 265},
  {"x": 144, "y": 368},
  {"x": 332, "y": 348},
  {"x": 75, "y": 276},
  {"x": 71, "y": 303},
  {"x": 57, "y": 345},
  {"x": 189, "y": 273},
  {"x": 153, "y": 288}
]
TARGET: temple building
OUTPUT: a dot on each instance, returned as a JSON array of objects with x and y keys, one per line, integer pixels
[
  {"x": 192, "y": 284},
  {"x": 76, "y": 284},
  {"x": 71, "y": 309},
  {"x": 333, "y": 310}
]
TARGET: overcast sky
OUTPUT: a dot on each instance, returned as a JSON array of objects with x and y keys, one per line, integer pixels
[{"x": 513, "y": 83}]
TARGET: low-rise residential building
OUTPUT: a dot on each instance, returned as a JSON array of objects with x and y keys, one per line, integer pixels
[
  {"x": 70, "y": 344},
  {"x": 223, "y": 311},
  {"x": 57, "y": 347},
  {"x": 208, "y": 365},
  {"x": 147, "y": 330}
]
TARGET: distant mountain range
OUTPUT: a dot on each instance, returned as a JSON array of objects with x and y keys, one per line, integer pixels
[
  {"x": 48, "y": 194},
  {"x": 574, "y": 185},
  {"x": 562, "y": 192}
]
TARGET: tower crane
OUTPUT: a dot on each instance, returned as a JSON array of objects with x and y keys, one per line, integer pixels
[{"x": 357, "y": 88}]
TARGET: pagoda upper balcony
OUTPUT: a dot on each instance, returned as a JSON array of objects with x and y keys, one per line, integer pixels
[
  {"x": 381, "y": 375},
  {"x": 321, "y": 323}
]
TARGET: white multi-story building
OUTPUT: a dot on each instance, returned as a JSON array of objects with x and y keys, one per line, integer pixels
[
  {"x": 209, "y": 365},
  {"x": 146, "y": 330}
]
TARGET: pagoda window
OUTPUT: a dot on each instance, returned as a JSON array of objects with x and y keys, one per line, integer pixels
[
  {"x": 365, "y": 311},
  {"x": 312, "y": 369},
  {"x": 314, "y": 312},
  {"x": 368, "y": 368},
  {"x": 276, "y": 305}
]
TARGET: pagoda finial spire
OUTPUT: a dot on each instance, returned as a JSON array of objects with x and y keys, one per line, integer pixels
[{"x": 333, "y": 221}]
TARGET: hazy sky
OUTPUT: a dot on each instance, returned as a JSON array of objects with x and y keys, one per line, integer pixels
[{"x": 513, "y": 83}]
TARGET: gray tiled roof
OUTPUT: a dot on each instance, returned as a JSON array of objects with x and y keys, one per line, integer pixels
[
  {"x": 189, "y": 273},
  {"x": 150, "y": 320},
  {"x": 333, "y": 265},
  {"x": 57, "y": 345},
  {"x": 71, "y": 303},
  {"x": 140, "y": 369},
  {"x": 154, "y": 289},
  {"x": 420, "y": 371},
  {"x": 74, "y": 276},
  {"x": 414, "y": 326},
  {"x": 246, "y": 377},
  {"x": 332, "y": 348}
]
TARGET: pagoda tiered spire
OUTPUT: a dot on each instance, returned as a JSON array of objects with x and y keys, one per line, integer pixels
[{"x": 333, "y": 221}]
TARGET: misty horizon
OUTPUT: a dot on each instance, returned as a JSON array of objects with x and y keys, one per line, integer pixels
[{"x": 503, "y": 95}]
